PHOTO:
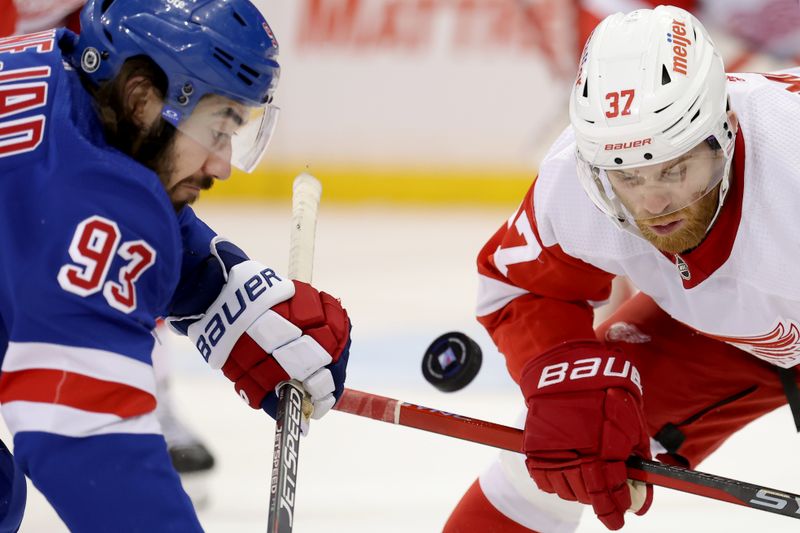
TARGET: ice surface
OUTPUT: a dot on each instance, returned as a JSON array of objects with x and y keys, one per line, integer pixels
[{"x": 405, "y": 275}]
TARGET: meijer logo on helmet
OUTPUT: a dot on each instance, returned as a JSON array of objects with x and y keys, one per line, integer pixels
[{"x": 680, "y": 43}]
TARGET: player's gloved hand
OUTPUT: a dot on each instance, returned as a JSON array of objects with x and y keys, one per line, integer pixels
[
  {"x": 263, "y": 329},
  {"x": 584, "y": 420}
]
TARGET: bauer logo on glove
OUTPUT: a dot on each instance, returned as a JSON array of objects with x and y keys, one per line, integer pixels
[
  {"x": 589, "y": 368},
  {"x": 250, "y": 289},
  {"x": 263, "y": 329}
]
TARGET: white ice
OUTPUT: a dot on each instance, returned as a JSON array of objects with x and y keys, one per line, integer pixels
[{"x": 405, "y": 275}]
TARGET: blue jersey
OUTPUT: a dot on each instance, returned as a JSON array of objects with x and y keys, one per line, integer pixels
[{"x": 92, "y": 252}]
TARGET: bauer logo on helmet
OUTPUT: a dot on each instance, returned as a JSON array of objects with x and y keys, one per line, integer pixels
[{"x": 629, "y": 144}]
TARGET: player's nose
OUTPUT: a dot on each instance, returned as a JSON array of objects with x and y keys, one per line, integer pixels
[
  {"x": 656, "y": 202},
  {"x": 218, "y": 166}
]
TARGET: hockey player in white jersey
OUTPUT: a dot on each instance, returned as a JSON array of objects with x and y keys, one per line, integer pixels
[{"x": 686, "y": 180}]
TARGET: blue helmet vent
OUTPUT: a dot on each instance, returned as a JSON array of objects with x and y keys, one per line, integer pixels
[
  {"x": 222, "y": 47},
  {"x": 239, "y": 19},
  {"x": 249, "y": 71},
  {"x": 223, "y": 57},
  {"x": 246, "y": 74}
]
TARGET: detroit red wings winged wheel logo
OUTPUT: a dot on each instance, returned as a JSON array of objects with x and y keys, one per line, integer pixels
[{"x": 780, "y": 347}]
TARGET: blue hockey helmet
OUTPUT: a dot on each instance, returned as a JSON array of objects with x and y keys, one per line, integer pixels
[{"x": 205, "y": 47}]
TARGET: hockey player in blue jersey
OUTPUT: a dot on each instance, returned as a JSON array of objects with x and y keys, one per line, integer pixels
[
  {"x": 104, "y": 141},
  {"x": 190, "y": 456}
]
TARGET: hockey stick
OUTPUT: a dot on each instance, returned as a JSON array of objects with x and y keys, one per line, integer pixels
[
  {"x": 306, "y": 192},
  {"x": 509, "y": 438}
]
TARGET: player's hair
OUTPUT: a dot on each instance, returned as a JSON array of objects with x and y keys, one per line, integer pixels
[{"x": 148, "y": 144}]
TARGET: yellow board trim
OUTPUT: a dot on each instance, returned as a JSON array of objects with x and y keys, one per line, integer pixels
[{"x": 351, "y": 184}]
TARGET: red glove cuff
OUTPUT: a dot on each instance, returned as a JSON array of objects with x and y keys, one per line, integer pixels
[
  {"x": 585, "y": 418},
  {"x": 580, "y": 366}
]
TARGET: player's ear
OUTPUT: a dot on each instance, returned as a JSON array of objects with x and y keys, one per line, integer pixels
[
  {"x": 733, "y": 120},
  {"x": 142, "y": 101}
]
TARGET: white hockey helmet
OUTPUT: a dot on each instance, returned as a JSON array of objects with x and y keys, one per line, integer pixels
[{"x": 651, "y": 86}]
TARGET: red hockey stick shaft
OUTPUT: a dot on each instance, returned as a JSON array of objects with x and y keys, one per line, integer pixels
[{"x": 509, "y": 438}]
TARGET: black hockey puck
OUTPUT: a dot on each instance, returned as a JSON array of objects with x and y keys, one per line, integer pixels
[{"x": 451, "y": 362}]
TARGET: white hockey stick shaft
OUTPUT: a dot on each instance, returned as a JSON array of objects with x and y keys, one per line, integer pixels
[
  {"x": 306, "y": 193},
  {"x": 292, "y": 404}
]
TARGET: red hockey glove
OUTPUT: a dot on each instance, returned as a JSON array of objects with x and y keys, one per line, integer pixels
[
  {"x": 584, "y": 420},
  {"x": 263, "y": 329}
]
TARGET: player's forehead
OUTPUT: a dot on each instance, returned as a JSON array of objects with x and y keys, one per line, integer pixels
[
  {"x": 701, "y": 152},
  {"x": 222, "y": 107}
]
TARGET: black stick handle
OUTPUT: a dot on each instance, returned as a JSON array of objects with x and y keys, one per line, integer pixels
[
  {"x": 283, "y": 484},
  {"x": 715, "y": 487}
]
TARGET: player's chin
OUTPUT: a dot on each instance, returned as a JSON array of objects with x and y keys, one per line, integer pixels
[
  {"x": 182, "y": 198},
  {"x": 677, "y": 242}
]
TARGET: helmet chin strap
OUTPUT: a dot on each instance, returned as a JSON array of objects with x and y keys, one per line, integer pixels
[{"x": 724, "y": 187}]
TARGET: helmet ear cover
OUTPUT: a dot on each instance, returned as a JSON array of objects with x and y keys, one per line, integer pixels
[{"x": 651, "y": 86}]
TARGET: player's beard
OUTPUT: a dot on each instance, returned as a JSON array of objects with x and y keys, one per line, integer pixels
[
  {"x": 178, "y": 196},
  {"x": 697, "y": 216},
  {"x": 156, "y": 151}
]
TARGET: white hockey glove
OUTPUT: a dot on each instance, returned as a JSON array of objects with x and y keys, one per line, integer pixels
[{"x": 263, "y": 329}]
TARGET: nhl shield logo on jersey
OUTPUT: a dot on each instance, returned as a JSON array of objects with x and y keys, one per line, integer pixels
[{"x": 683, "y": 268}]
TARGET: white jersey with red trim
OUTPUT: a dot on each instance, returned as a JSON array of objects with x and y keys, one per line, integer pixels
[{"x": 555, "y": 258}]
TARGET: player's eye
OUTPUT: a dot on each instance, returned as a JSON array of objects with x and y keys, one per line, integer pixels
[
  {"x": 220, "y": 138},
  {"x": 629, "y": 180},
  {"x": 674, "y": 174}
]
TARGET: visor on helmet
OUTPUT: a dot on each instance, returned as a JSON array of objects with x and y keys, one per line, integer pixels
[
  {"x": 232, "y": 131},
  {"x": 651, "y": 191}
]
